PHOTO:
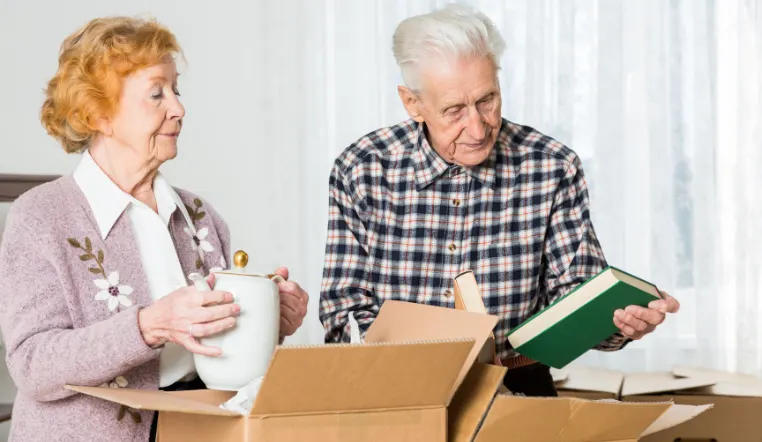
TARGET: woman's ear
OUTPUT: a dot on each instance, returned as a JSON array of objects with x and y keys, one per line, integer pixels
[{"x": 104, "y": 127}]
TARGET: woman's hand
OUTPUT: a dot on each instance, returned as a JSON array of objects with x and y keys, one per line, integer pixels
[
  {"x": 187, "y": 314},
  {"x": 293, "y": 304}
]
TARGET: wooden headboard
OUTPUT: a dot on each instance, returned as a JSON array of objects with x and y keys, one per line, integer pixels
[{"x": 11, "y": 186}]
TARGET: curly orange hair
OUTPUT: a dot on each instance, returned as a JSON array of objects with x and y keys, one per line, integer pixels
[{"x": 92, "y": 63}]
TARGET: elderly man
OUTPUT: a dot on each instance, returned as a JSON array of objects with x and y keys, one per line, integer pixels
[{"x": 458, "y": 187}]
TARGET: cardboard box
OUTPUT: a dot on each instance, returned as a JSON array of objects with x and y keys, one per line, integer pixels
[
  {"x": 737, "y": 399},
  {"x": 468, "y": 297},
  {"x": 588, "y": 382},
  {"x": 523, "y": 419},
  {"x": 414, "y": 379},
  {"x": 396, "y": 386}
]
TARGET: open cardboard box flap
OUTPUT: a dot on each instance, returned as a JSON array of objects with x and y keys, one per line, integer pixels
[
  {"x": 590, "y": 379},
  {"x": 573, "y": 420},
  {"x": 661, "y": 382},
  {"x": 701, "y": 383},
  {"x": 414, "y": 356},
  {"x": 472, "y": 400},
  {"x": 331, "y": 379},
  {"x": 719, "y": 376},
  {"x": 400, "y": 321},
  {"x": 153, "y": 400},
  {"x": 342, "y": 378}
]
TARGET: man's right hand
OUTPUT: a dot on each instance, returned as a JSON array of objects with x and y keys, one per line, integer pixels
[{"x": 187, "y": 314}]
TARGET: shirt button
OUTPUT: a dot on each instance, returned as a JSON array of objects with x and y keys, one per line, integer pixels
[
  {"x": 452, "y": 247},
  {"x": 456, "y": 202},
  {"x": 447, "y": 293}
]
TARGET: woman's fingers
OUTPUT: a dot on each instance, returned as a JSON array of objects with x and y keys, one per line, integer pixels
[
  {"x": 213, "y": 297},
  {"x": 211, "y": 328},
  {"x": 190, "y": 344},
  {"x": 213, "y": 313}
]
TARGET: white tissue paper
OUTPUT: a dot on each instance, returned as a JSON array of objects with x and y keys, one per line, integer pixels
[
  {"x": 244, "y": 398},
  {"x": 354, "y": 330}
]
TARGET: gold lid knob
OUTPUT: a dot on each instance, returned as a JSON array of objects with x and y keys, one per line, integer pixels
[{"x": 240, "y": 259}]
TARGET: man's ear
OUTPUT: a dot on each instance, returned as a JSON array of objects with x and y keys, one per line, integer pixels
[{"x": 412, "y": 103}]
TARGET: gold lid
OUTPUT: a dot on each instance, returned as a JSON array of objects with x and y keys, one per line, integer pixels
[{"x": 240, "y": 259}]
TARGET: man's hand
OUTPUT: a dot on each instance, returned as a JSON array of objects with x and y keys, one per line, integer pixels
[
  {"x": 636, "y": 322},
  {"x": 293, "y": 304}
]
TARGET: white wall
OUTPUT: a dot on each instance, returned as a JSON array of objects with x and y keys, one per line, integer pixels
[{"x": 241, "y": 88}]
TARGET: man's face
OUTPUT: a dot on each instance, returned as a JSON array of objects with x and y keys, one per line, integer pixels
[{"x": 460, "y": 103}]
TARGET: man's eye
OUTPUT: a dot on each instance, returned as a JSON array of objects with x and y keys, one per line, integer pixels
[
  {"x": 452, "y": 110},
  {"x": 486, "y": 99}
]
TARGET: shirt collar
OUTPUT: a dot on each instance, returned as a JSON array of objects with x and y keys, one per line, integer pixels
[
  {"x": 429, "y": 165},
  {"x": 485, "y": 172},
  {"x": 107, "y": 201},
  {"x": 165, "y": 192}
]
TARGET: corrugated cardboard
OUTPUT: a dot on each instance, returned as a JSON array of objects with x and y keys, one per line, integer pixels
[
  {"x": 720, "y": 376},
  {"x": 401, "y": 385},
  {"x": 403, "y": 321},
  {"x": 737, "y": 400},
  {"x": 468, "y": 297},
  {"x": 588, "y": 383},
  {"x": 396, "y": 386},
  {"x": 522, "y": 419}
]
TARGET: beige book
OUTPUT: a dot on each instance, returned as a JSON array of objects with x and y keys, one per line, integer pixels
[{"x": 468, "y": 297}]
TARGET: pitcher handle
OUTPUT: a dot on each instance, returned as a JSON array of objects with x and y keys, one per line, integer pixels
[
  {"x": 276, "y": 278},
  {"x": 199, "y": 282}
]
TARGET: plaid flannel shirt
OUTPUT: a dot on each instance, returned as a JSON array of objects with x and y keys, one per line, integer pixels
[{"x": 403, "y": 223}]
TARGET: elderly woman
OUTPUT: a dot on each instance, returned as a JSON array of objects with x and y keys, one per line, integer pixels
[{"x": 94, "y": 267}]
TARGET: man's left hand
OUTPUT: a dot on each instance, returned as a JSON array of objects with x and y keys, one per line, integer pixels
[
  {"x": 293, "y": 304},
  {"x": 636, "y": 322}
]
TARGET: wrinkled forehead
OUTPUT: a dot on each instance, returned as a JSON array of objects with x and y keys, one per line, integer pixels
[{"x": 467, "y": 76}]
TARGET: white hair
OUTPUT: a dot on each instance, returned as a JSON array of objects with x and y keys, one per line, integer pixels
[{"x": 454, "y": 31}]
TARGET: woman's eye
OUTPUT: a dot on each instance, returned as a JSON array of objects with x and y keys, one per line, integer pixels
[{"x": 157, "y": 95}]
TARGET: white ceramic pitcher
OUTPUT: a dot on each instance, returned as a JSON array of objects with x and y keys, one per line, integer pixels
[{"x": 247, "y": 347}]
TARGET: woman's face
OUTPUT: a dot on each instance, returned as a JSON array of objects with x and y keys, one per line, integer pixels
[{"x": 150, "y": 115}]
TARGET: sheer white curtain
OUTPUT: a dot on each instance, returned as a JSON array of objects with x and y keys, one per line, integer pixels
[
  {"x": 663, "y": 102},
  {"x": 662, "y": 99}
]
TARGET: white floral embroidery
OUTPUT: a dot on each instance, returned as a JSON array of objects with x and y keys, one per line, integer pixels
[
  {"x": 198, "y": 240},
  {"x": 112, "y": 292},
  {"x": 192, "y": 276},
  {"x": 221, "y": 267},
  {"x": 117, "y": 382}
]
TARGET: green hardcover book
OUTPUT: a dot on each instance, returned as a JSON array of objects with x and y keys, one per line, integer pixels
[{"x": 582, "y": 319}]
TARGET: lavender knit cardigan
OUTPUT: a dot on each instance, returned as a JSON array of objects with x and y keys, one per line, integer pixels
[{"x": 53, "y": 263}]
